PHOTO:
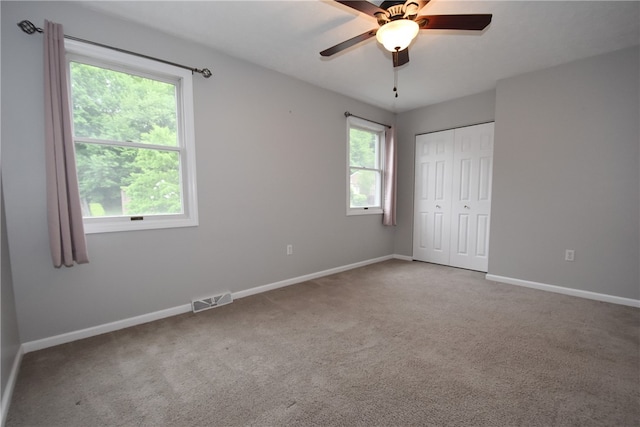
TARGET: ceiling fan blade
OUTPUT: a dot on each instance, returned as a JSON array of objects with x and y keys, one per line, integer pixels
[
  {"x": 400, "y": 57},
  {"x": 348, "y": 43},
  {"x": 363, "y": 6},
  {"x": 453, "y": 22}
]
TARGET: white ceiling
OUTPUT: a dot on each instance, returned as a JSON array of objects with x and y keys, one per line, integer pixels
[{"x": 287, "y": 36}]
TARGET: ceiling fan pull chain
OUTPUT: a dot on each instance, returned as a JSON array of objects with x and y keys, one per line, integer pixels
[{"x": 395, "y": 81}]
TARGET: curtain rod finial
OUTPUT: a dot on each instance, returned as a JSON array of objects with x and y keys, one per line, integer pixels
[
  {"x": 28, "y": 27},
  {"x": 206, "y": 73},
  {"x": 347, "y": 114}
]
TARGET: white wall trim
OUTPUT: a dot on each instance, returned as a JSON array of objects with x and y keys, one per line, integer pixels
[
  {"x": 566, "y": 291},
  {"x": 7, "y": 393},
  {"x": 174, "y": 311},
  {"x": 103, "y": 329},
  {"x": 300, "y": 279},
  {"x": 402, "y": 257}
]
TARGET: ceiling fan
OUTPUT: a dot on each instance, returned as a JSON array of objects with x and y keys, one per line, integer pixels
[{"x": 400, "y": 23}]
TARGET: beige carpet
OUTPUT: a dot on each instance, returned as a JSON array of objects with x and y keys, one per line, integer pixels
[{"x": 392, "y": 344}]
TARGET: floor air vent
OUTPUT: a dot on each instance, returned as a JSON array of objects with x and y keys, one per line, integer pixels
[{"x": 211, "y": 302}]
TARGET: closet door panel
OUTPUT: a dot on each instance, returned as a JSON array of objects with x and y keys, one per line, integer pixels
[
  {"x": 432, "y": 197},
  {"x": 473, "y": 158}
]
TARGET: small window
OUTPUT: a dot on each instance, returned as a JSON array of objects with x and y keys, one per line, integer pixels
[
  {"x": 365, "y": 150},
  {"x": 134, "y": 140}
]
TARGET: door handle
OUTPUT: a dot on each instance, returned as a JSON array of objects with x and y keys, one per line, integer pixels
[
  {"x": 438, "y": 206},
  {"x": 466, "y": 207}
]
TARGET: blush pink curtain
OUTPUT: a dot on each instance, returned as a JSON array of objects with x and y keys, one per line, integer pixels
[
  {"x": 390, "y": 173},
  {"x": 66, "y": 230}
]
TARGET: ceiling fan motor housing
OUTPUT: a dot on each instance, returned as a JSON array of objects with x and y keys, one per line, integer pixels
[{"x": 396, "y": 10}]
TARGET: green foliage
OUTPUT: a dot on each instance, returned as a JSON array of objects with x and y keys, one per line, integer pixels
[
  {"x": 101, "y": 170},
  {"x": 97, "y": 209},
  {"x": 155, "y": 189},
  {"x": 118, "y": 106},
  {"x": 363, "y": 153},
  {"x": 358, "y": 200},
  {"x": 115, "y": 106}
]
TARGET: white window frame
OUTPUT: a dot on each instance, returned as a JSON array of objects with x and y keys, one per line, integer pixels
[
  {"x": 355, "y": 122},
  {"x": 183, "y": 79}
]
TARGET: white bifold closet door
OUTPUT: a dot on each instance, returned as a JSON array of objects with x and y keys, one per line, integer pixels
[{"x": 452, "y": 200}]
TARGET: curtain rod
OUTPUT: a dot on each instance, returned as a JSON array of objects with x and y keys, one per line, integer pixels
[
  {"x": 29, "y": 28},
  {"x": 348, "y": 114}
]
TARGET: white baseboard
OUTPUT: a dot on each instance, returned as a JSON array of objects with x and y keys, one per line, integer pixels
[
  {"x": 566, "y": 291},
  {"x": 157, "y": 315},
  {"x": 7, "y": 393},
  {"x": 300, "y": 279},
  {"x": 402, "y": 257},
  {"x": 103, "y": 329}
]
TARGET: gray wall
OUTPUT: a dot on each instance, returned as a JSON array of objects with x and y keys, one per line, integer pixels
[
  {"x": 469, "y": 110},
  {"x": 566, "y": 175},
  {"x": 271, "y": 171},
  {"x": 566, "y": 164},
  {"x": 9, "y": 337}
]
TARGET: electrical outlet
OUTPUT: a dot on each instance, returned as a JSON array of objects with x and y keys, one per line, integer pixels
[
  {"x": 569, "y": 255},
  {"x": 289, "y": 249}
]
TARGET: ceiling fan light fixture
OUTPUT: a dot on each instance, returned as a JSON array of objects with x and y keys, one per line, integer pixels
[{"x": 397, "y": 35}]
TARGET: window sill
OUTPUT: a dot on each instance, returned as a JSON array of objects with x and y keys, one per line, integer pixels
[
  {"x": 363, "y": 211},
  {"x": 126, "y": 224}
]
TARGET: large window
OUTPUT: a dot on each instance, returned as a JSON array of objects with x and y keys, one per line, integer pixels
[
  {"x": 365, "y": 167},
  {"x": 133, "y": 134}
]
